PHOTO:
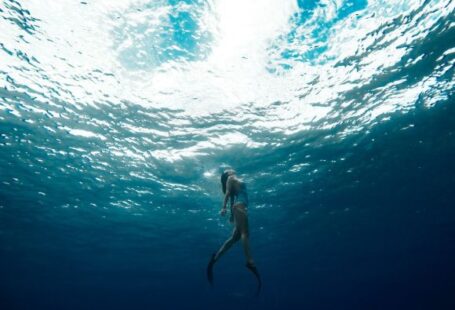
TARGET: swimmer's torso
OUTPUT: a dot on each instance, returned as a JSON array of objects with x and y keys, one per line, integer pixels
[{"x": 239, "y": 191}]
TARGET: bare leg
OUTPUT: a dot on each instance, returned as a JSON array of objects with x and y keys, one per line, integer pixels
[
  {"x": 241, "y": 220},
  {"x": 246, "y": 248},
  {"x": 215, "y": 257},
  {"x": 228, "y": 244}
]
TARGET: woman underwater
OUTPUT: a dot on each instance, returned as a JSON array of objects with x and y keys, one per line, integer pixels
[{"x": 235, "y": 191}]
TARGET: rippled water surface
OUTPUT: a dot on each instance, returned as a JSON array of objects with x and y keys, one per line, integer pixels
[{"x": 117, "y": 117}]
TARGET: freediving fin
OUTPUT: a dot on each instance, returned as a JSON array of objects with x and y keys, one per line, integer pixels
[
  {"x": 255, "y": 271},
  {"x": 210, "y": 269}
]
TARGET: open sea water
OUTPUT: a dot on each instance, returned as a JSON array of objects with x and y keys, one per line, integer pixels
[{"x": 117, "y": 118}]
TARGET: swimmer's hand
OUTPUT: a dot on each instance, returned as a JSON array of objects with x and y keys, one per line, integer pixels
[{"x": 223, "y": 211}]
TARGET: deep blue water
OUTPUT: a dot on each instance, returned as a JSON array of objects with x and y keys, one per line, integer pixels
[{"x": 116, "y": 120}]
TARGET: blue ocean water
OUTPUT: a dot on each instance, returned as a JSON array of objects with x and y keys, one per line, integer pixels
[{"x": 117, "y": 118}]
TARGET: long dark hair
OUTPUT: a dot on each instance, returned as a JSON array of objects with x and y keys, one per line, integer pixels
[{"x": 224, "y": 178}]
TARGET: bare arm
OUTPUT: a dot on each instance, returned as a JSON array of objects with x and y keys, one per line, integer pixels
[{"x": 229, "y": 185}]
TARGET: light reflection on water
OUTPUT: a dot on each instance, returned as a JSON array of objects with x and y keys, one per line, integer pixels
[{"x": 162, "y": 92}]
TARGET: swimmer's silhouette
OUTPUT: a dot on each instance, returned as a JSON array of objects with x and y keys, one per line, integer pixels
[{"x": 235, "y": 191}]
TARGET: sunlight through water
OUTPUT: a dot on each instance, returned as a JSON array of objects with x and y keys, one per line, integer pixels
[
  {"x": 144, "y": 83},
  {"x": 131, "y": 109},
  {"x": 118, "y": 116}
]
